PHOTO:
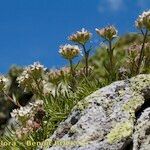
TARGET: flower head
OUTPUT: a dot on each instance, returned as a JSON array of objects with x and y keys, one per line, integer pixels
[
  {"x": 30, "y": 75},
  {"x": 143, "y": 20},
  {"x": 80, "y": 37},
  {"x": 82, "y": 71},
  {"x": 69, "y": 51},
  {"x": 3, "y": 82},
  {"x": 55, "y": 75},
  {"x": 132, "y": 59},
  {"x": 36, "y": 69},
  {"x": 108, "y": 33},
  {"x": 22, "y": 113},
  {"x": 134, "y": 50},
  {"x": 27, "y": 111},
  {"x": 29, "y": 118}
]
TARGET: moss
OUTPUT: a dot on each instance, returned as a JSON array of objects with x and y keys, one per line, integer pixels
[{"x": 122, "y": 130}]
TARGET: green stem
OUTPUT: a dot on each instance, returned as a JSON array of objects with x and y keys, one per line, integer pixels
[
  {"x": 72, "y": 74},
  {"x": 11, "y": 99},
  {"x": 110, "y": 51},
  {"x": 142, "y": 52},
  {"x": 39, "y": 91},
  {"x": 111, "y": 54},
  {"x": 71, "y": 67},
  {"x": 86, "y": 55}
]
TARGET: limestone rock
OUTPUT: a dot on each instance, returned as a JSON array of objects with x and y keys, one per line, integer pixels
[{"x": 106, "y": 119}]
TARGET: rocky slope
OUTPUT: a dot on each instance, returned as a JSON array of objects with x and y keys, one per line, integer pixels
[{"x": 116, "y": 117}]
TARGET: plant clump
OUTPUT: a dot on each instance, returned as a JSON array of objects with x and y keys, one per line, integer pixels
[{"x": 59, "y": 90}]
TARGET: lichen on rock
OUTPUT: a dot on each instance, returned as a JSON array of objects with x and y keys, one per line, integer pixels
[
  {"x": 122, "y": 130},
  {"x": 141, "y": 136},
  {"x": 105, "y": 119},
  {"x": 133, "y": 104}
]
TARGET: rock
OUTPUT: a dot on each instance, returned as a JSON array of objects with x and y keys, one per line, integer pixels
[
  {"x": 141, "y": 136},
  {"x": 106, "y": 119}
]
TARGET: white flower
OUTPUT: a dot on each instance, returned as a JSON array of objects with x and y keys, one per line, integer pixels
[
  {"x": 80, "y": 37},
  {"x": 14, "y": 113},
  {"x": 3, "y": 82},
  {"x": 36, "y": 66},
  {"x": 30, "y": 76},
  {"x": 143, "y": 20},
  {"x": 47, "y": 87},
  {"x": 37, "y": 103},
  {"x": 25, "y": 116},
  {"x": 69, "y": 51},
  {"x": 21, "y": 112},
  {"x": 56, "y": 75},
  {"x": 107, "y": 33}
]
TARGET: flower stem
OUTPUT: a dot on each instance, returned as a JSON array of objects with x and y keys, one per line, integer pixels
[
  {"x": 142, "y": 52},
  {"x": 39, "y": 90},
  {"x": 111, "y": 55},
  {"x": 72, "y": 74},
  {"x": 11, "y": 99},
  {"x": 110, "y": 51},
  {"x": 71, "y": 67},
  {"x": 86, "y": 55}
]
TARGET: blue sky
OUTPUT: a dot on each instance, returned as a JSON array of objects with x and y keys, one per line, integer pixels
[{"x": 32, "y": 30}]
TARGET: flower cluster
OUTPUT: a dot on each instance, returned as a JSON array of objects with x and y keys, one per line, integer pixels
[
  {"x": 32, "y": 70},
  {"x": 108, "y": 33},
  {"x": 147, "y": 52},
  {"x": 31, "y": 126},
  {"x": 48, "y": 87},
  {"x": 31, "y": 76},
  {"x": 131, "y": 62},
  {"x": 69, "y": 51},
  {"x": 21, "y": 113},
  {"x": 82, "y": 71},
  {"x": 143, "y": 21},
  {"x": 55, "y": 81},
  {"x": 80, "y": 37},
  {"x": 57, "y": 74},
  {"x": 134, "y": 50},
  {"x": 123, "y": 73},
  {"x": 29, "y": 117},
  {"x": 3, "y": 82},
  {"x": 27, "y": 111},
  {"x": 133, "y": 53}
]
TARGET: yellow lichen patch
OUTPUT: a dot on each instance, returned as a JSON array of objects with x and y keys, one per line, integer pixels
[
  {"x": 122, "y": 130},
  {"x": 132, "y": 105},
  {"x": 122, "y": 92},
  {"x": 81, "y": 105},
  {"x": 140, "y": 82}
]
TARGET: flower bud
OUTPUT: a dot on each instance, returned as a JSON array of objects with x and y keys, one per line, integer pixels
[
  {"x": 80, "y": 37},
  {"x": 108, "y": 33}
]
